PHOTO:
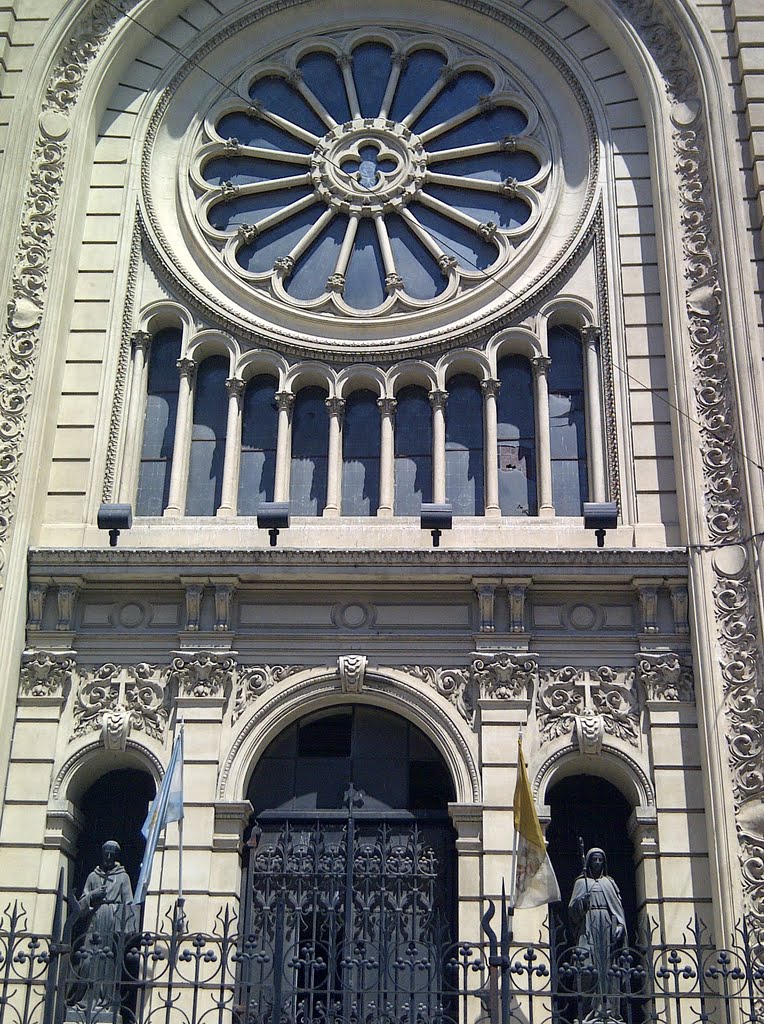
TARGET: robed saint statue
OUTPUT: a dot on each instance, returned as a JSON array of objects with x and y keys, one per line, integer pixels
[{"x": 599, "y": 928}]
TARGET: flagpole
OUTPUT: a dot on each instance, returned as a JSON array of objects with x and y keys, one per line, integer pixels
[
  {"x": 180, "y": 840},
  {"x": 516, "y": 835}
]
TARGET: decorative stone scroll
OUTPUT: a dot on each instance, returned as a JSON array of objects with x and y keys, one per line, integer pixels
[
  {"x": 46, "y": 673},
  {"x": 451, "y": 683},
  {"x": 571, "y": 699},
  {"x": 665, "y": 677},
  {"x": 202, "y": 673},
  {"x": 254, "y": 680},
  {"x": 117, "y": 700}
]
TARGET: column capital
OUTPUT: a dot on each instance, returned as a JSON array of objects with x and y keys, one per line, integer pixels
[
  {"x": 140, "y": 340},
  {"x": 438, "y": 398},
  {"x": 490, "y": 387},
  {"x": 591, "y": 334},
  {"x": 235, "y": 387},
  {"x": 187, "y": 369},
  {"x": 540, "y": 365},
  {"x": 336, "y": 406},
  {"x": 285, "y": 400},
  {"x": 387, "y": 406}
]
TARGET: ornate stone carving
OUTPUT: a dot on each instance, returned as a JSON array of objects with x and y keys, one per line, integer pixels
[
  {"x": 679, "y": 606},
  {"x": 193, "y": 595},
  {"x": 438, "y": 399},
  {"x": 665, "y": 678},
  {"x": 451, "y": 683},
  {"x": 117, "y": 700},
  {"x": 66, "y": 596},
  {"x": 202, "y": 673},
  {"x": 516, "y": 591},
  {"x": 567, "y": 694},
  {"x": 223, "y": 600},
  {"x": 505, "y": 675},
  {"x": 739, "y": 630},
  {"x": 36, "y": 604},
  {"x": 46, "y": 673},
  {"x": 486, "y": 595},
  {"x": 647, "y": 591},
  {"x": 351, "y": 669},
  {"x": 254, "y": 680}
]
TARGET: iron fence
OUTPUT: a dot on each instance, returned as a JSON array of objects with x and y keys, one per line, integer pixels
[{"x": 181, "y": 976}]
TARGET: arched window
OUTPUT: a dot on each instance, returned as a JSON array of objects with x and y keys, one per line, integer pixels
[
  {"x": 413, "y": 451},
  {"x": 113, "y": 807},
  {"x": 593, "y": 809},
  {"x": 464, "y": 446},
  {"x": 259, "y": 429},
  {"x": 567, "y": 423},
  {"x": 159, "y": 423},
  {"x": 360, "y": 455},
  {"x": 310, "y": 453},
  {"x": 517, "y": 438},
  {"x": 205, "y": 472}
]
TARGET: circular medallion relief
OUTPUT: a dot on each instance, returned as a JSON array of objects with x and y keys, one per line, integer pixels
[{"x": 410, "y": 182}]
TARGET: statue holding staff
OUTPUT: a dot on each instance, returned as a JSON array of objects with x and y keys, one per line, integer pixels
[
  {"x": 599, "y": 927},
  {"x": 106, "y": 908}
]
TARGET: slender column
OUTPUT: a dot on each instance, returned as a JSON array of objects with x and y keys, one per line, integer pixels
[
  {"x": 438, "y": 401},
  {"x": 285, "y": 402},
  {"x": 336, "y": 407},
  {"x": 386, "y": 456},
  {"x": 181, "y": 450},
  {"x": 541, "y": 366},
  {"x": 141, "y": 342},
  {"x": 490, "y": 390},
  {"x": 229, "y": 503},
  {"x": 597, "y": 478}
]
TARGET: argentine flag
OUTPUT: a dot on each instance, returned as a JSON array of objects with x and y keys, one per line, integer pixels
[{"x": 167, "y": 806}]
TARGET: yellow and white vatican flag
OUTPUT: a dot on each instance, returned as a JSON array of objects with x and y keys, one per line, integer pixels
[{"x": 534, "y": 881}]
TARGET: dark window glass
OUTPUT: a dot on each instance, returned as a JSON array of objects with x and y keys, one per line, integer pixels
[
  {"x": 517, "y": 438},
  {"x": 205, "y": 471},
  {"x": 159, "y": 424},
  {"x": 413, "y": 451},
  {"x": 567, "y": 429},
  {"x": 360, "y": 455},
  {"x": 310, "y": 452},
  {"x": 259, "y": 427},
  {"x": 395, "y": 765},
  {"x": 464, "y": 446},
  {"x": 371, "y": 71}
]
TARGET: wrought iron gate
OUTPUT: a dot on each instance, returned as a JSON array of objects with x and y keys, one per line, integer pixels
[{"x": 349, "y": 919}]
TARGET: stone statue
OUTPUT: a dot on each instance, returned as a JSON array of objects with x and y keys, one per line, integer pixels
[
  {"x": 599, "y": 927},
  {"x": 107, "y": 910}
]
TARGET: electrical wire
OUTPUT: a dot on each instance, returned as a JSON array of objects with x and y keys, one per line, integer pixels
[{"x": 491, "y": 277}]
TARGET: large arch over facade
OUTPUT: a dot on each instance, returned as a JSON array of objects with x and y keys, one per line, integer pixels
[{"x": 698, "y": 232}]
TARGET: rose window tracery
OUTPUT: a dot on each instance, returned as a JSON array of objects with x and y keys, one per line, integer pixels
[{"x": 364, "y": 176}]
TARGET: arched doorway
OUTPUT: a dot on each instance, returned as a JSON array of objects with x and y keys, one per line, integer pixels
[
  {"x": 349, "y": 893},
  {"x": 113, "y": 807},
  {"x": 592, "y": 809}
]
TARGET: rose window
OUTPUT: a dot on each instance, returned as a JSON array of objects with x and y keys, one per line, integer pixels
[{"x": 366, "y": 176}]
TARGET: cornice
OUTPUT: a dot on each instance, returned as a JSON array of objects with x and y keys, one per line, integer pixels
[{"x": 179, "y": 561}]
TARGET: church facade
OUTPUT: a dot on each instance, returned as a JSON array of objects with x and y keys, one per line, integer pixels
[{"x": 340, "y": 264}]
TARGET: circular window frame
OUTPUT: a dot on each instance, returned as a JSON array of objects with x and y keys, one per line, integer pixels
[
  {"x": 200, "y": 275},
  {"x": 539, "y": 192}
]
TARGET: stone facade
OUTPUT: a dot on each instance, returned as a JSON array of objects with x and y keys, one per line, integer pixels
[{"x": 618, "y": 662}]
